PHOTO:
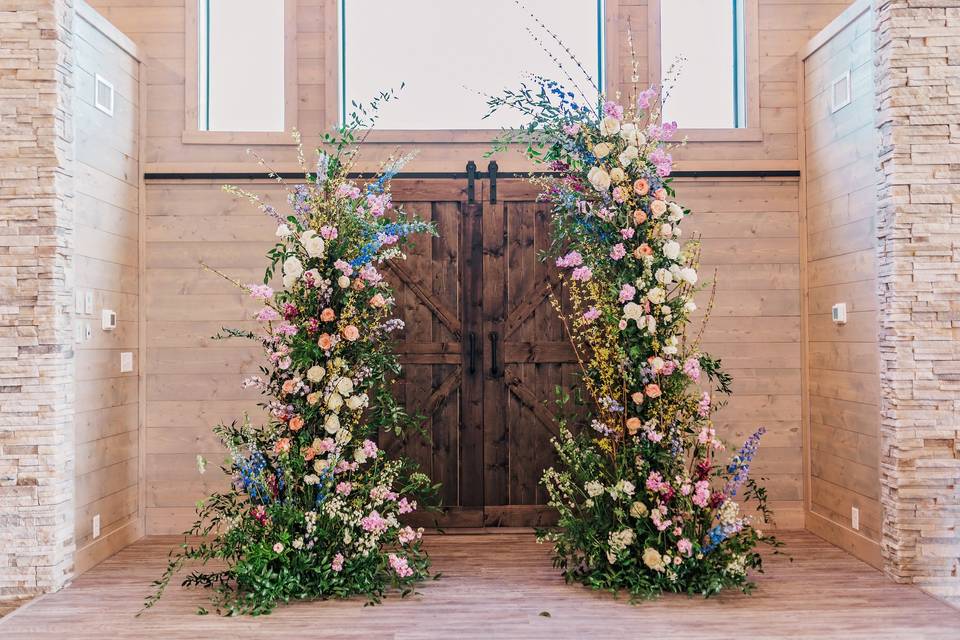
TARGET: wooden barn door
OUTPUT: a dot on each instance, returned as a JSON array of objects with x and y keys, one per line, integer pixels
[
  {"x": 527, "y": 354},
  {"x": 482, "y": 349},
  {"x": 436, "y": 289}
]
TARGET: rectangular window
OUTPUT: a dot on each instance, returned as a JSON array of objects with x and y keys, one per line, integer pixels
[
  {"x": 710, "y": 90},
  {"x": 450, "y": 53},
  {"x": 241, "y": 65}
]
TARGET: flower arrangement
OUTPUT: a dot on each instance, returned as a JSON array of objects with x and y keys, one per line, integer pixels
[
  {"x": 314, "y": 507},
  {"x": 645, "y": 502}
]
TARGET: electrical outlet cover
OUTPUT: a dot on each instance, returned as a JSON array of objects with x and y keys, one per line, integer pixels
[{"x": 126, "y": 361}]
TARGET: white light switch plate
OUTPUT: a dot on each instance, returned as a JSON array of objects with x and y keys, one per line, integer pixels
[
  {"x": 96, "y": 526},
  {"x": 855, "y": 518},
  {"x": 126, "y": 361},
  {"x": 88, "y": 303}
]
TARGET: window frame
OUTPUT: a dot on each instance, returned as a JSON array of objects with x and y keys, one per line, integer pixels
[
  {"x": 751, "y": 77},
  {"x": 192, "y": 133},
  {"x": 610, "y": 66}
]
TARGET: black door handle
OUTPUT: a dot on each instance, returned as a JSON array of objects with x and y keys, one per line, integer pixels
[
  {"x": 494, "y": 337},
  {"x": 473, "y": 353}
]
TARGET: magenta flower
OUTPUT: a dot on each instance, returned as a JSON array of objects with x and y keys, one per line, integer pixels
[
  {"x": 613, "y": 110},
  {"x": 646, "y": 98}
]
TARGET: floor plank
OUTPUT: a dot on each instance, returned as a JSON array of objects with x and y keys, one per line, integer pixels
[{"x": 496, "y": 586}]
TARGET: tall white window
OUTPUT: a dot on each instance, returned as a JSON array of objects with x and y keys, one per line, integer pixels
[
  {"x": 241, "y": 65},
  {"x": 709, "y": 34},
  {"x": 449, "y": 53}
]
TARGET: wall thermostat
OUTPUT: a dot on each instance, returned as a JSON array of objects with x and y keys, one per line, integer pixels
[
  {"x": 109, "y": 320},
  {"x": 840, "y": 313}
]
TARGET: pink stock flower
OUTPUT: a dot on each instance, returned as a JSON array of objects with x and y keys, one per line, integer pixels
[
  {"x": 328, "y": 233},
  {"x": 344, "y": 267},
  {"x": 627, "y": 233},
  {"x": 692, "y": 368},
  {"x": 278, "y": 548},
  {"x": 344, "y": 488},
  {"x": 400, "y": 566},
  {"x": 627, "y": 292},
  {"x": 619, "y": 194},
  {"x": 701, "y": 493},
  {"x": 583, "y": 274},
  {"x": 370, "y": 449},
  {"x": 260, "y": 291},
  {"x": 613, "y": 110},
  {"x": 685, "y": 547},
  {"x": 618, "y": 251},
  {"x": 571, "y": 129},
  {"x": 572, "y": 259},
  {"x": 267, "y": 314},
  {"x": 591, "y": 314},
  {"x": 646, "y": 98},
  {"x": 374, "y": 523},
  {"x": 703, "y": 409},
  {"x": 406, "y": 506},
  {"x": 337, "y": 563}
]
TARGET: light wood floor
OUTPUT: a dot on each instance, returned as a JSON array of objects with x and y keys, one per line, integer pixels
[{"x": 496, "y": 586}]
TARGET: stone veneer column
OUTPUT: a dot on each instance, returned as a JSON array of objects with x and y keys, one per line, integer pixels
[
  {"x": 36, "y": 300},
  {"x": 917, "y": 71}
]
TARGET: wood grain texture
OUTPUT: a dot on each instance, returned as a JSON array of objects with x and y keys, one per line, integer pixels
[
  {"x": 503, "y": 586},
  {"x": 108, "y": 186},
  {"x": 842, "y": 392}
]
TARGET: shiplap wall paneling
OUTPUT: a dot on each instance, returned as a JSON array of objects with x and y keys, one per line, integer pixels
[
  {"x": 843, "y": 386},
  {"x": 750, "y": 233},
  {"x": 107, "y": 263}
]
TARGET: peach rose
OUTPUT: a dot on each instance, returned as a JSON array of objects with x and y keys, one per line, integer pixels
[
  {"x": 296, "y": 423},
  {"x": 350, "y": 332},
  {"x": 652, "y": 390},
  {"x": 313, "y": 398},
  {"x": 358, "y": 284},
  {"x": 641, "y": 186},
  {"x": 288, "y": 386},
  {"x": 660, "y": 194},
  {"x": 637, "y": 396},
  {"x": 633, "y": 425},
  {"x": 377, "y": 301},
  {"x": 327, "y": 315},
  {"x": 642, "y": 250},
  {"x": 282, "y": 445},
  {"x": 639, "y": 216},
  {"x": 325, "y": 341},
  {"x": 309, "y": 454}
]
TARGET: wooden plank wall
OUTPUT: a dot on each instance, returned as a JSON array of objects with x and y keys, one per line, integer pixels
[
  {"x": 751, "y": 227},
  {"x": 843, "y": 389},
  {"x": 107, "y": 204}
]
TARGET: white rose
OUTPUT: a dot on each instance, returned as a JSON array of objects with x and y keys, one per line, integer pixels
[
  {"x": 663, "y": 276},
  {"x": 671, "y": 249},
  {"x": 689, "y": 274},
  {"x": 690, "y": 306},
  {"x": 658, "y": 208},
  {"x": 293, "y": 267},
  {"x": 602, "y": 150},
  {"x": 666, "y": 230},
  {"x": 359, "y": 456},
  {"x": 593, "y": 488},
  {"x": 332, "y": 423},
  {"x": 316, "y": 373},
  {"x": 311, "y": 479},
  {"x": 676, "y": 212},
  {"x": 343, "y": 437},
  {"x": 628, "y": 155},
  {"x": 345, "y": 386},
  {"x": 609, "y": 126},
  {"x": 312, "y": 243},
  {"x": 617, "y": 174},
  {"x": 656, "y": 295},
  {"x": 357, "y": 401},
  {"x": 651, "y": 324},
  {"x": 633, "y": 311},
  {"x": 628, "y": 131},
  {"x": 283, "y": 230},
  {"x": 599, "y": 178},
  {"x": 343, "y": 282},
  {"x": 334, "y": 402}
]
